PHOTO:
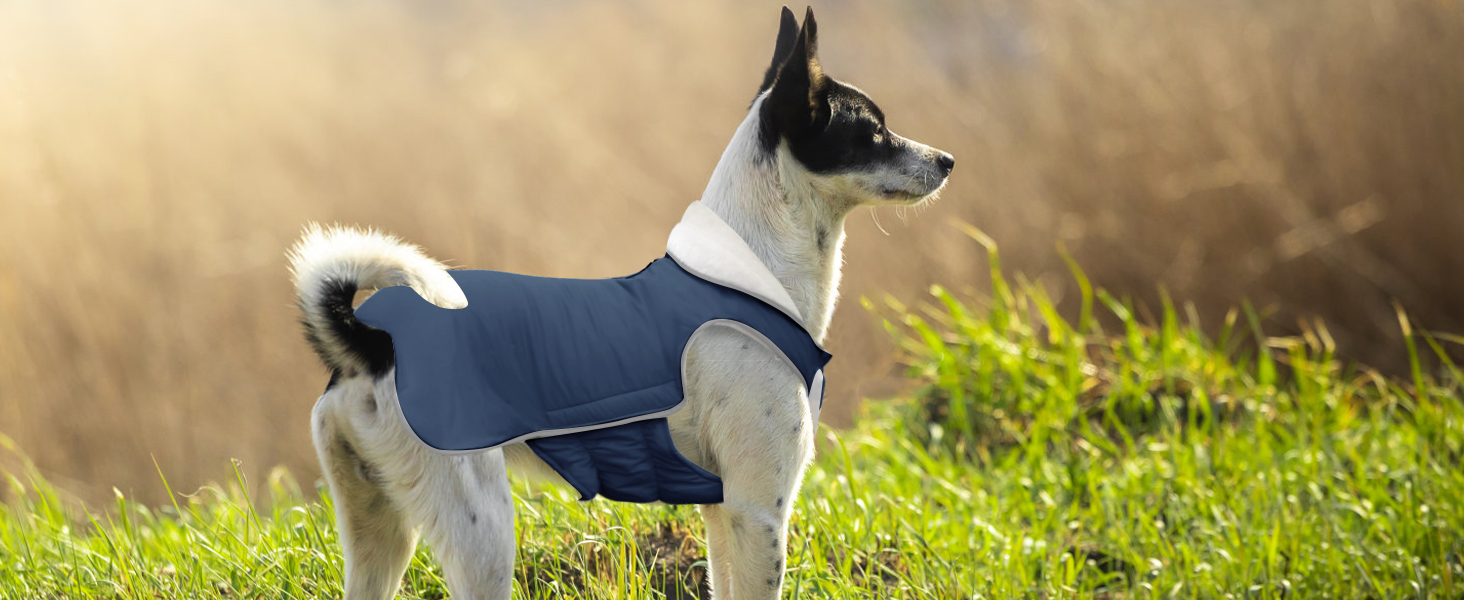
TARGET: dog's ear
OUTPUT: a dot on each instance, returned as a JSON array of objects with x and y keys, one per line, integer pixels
[
  {"x": 798, "y": 102},
  {"x": 787, "y": 35}
]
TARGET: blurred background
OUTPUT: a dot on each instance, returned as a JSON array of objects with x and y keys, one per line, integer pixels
[{"x": 157, "y": 158}]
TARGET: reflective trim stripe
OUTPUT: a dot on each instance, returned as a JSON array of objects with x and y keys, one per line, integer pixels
[{"x": 815, "y": 396}]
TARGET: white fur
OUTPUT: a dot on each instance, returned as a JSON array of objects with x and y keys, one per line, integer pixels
[
  {"x": 746, "y": 417},
  {"x": 372, "y": 260}
]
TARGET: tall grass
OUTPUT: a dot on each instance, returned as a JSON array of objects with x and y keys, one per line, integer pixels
[
  {"x": 1041, "y": 458},
  {"x": 1192, "y": 466}
]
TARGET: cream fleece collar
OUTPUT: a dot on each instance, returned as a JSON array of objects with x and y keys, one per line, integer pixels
[{"x": 707, "y": 247}]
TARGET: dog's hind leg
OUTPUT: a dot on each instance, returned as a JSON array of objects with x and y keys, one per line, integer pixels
[
  {"x": 389, "y": 485},
  {"x": 462, "y": 505},
  {"x": 467, "y": 519},
  {"x": 374, "y": 534}
]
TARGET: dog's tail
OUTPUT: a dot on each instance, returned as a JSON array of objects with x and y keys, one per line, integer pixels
[{"x": 330, "y": 264}]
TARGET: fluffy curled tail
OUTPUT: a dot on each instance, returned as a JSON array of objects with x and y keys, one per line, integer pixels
[{"x": 329, "y": 264}]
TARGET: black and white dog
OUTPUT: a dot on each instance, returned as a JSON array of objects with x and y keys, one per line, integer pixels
[{"x": 811, "y": 150}]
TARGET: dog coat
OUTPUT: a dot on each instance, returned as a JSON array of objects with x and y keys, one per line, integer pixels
[{"x": 587, "y": 370}]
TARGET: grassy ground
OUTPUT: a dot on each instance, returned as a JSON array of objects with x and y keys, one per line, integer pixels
[{"x": 1039, "y": 459}]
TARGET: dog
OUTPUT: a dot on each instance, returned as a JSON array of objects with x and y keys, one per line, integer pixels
[{"x": 810, "y": 151}]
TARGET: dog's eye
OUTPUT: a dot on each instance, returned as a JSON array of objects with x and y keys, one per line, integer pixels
[{"x": 874, "y": 134}]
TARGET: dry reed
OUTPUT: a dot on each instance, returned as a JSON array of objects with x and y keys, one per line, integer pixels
[{"x": 156, "y": 159}]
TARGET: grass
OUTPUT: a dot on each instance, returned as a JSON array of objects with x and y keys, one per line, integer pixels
[{"x": 1039, "y": 459}]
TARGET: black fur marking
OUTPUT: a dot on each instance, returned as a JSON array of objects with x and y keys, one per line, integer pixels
[
  {"x": 773, "y": 582},
  {"x": 473, "y": 518},
  {"x": 792, "y": 99},
  {"x": 787, "y": 34},
  {"x": 335, "y": 376},
  {"x": 369, "y": 403},
  {"x": 852, "y": 136},
  {"x": 830, "y": 127},
  {"x": 781, "y": 500},
  {"x": 823, "y": 239},
  {"x": 365, "y": 470},
  {"x": 369, "y": 344}
]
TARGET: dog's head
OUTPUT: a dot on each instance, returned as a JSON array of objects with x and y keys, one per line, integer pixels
[{"x": 835, "y": 134}]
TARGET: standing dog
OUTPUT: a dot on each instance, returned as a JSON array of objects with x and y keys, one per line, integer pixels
[{"x": 811, "y": 150}]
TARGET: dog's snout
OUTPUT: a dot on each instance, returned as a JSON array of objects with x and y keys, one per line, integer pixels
[{"x": 945, "y": 161}]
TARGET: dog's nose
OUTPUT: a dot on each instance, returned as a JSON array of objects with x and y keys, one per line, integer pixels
[{"x": 946, "y": 162}]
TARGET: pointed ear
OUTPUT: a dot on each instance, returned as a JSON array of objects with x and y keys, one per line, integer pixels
[
  {"x": 797, "y": 102},
  {"x": 787, "y": 35},
  {"x": 810, "y": 35}
]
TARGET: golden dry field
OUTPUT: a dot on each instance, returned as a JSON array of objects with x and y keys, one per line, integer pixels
[{"x": 156, "y": 159}]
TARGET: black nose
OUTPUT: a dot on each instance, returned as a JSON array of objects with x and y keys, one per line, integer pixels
[{"x": 946, "y": 162}]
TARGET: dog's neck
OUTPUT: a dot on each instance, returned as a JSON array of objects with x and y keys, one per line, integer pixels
[{"x": 795, "y": 228}]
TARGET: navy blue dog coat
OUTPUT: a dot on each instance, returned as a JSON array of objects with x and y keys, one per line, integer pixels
[{"x": 585, "y": 371}]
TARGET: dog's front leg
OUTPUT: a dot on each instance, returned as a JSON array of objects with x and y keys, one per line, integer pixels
[
  {"x": 719, "y": 557},
  {"x": 762, "y": 445},
  {"x": 755, "y": 517}
]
